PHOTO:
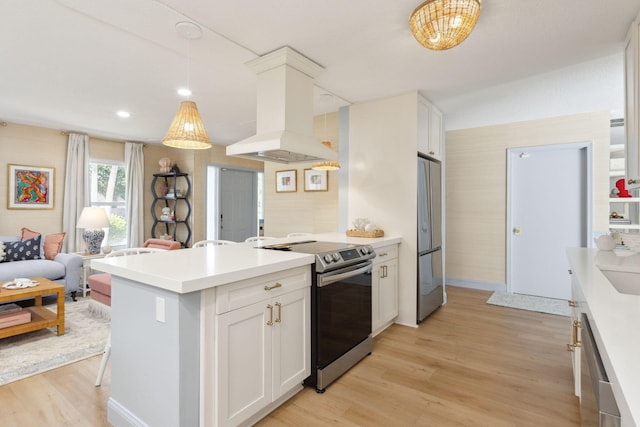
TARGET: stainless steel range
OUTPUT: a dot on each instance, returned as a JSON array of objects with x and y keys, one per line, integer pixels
[{"x": 340, "y": 307}]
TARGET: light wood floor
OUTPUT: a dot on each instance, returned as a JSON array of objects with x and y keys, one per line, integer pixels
[{"x": 469, "y": 364}]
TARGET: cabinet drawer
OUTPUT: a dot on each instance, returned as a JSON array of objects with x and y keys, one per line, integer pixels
[
  {"x": 241, "y": 294},
  {"x": 385, "y": 253}
]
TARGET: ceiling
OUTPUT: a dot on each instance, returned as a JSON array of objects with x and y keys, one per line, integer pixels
[{"x": 72, "y": 64}]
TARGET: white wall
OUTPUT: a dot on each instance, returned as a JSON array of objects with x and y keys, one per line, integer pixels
[
  {"x": 383, "y": 180},
  {"x": 476, "y": 182},
  {"x": 590, "y": 86}
]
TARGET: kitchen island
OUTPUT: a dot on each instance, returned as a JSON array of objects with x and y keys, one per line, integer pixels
[
  {"x": 615, "y": 321},
  {"x": 185, "y": 322}
]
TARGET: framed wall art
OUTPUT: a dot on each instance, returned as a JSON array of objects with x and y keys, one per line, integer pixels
[
  {"x": 316, "y": 180},
  {"x": 30, "y": 187},
  {"x": 286, "y": 181}
]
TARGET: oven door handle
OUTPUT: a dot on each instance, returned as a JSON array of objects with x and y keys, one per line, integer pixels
[{"x": 332, "y": 278}]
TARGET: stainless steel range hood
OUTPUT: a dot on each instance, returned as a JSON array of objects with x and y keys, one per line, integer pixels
[{"x": 284, "y": 122}]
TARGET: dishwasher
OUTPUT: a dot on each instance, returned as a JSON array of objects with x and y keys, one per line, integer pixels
[{"x": 597, "y": 403}]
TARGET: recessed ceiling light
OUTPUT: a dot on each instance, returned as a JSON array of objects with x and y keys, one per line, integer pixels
[
  {"x": 123, "y": 114},
  {"x": 184, "y": 92}
]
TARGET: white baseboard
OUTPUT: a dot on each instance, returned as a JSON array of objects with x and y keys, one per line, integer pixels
[
  {"x": 475, "y": 284},
  {"x": 118, "y": 415}
]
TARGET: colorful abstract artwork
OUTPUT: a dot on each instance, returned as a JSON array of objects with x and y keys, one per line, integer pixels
[{"x": 30, "y": 187}]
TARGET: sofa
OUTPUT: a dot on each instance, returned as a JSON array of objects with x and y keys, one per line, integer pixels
[{"x": 64, "y": 269}]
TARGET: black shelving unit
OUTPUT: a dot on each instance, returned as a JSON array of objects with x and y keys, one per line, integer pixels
[{"x": 179, "y": 227}]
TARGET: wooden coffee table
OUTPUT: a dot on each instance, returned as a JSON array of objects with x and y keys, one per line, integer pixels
[{"x": 41, "y": 317}]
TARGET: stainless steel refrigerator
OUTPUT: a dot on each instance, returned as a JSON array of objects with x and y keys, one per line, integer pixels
[{"x": 430, "y": 280}]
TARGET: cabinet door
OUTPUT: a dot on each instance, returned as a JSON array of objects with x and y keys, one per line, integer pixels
[
  {"x": 632, "y": 91},
  {"x": 435, "y": 133},
  {"x": 291, "y": 340},
  {"x": 574, "y": 337},
  {"x": 376, "y": 323},
  {"x": 423, "y": 126},
  {"x": 243, "y": 367},
  {"x": 388, "y": 291}
]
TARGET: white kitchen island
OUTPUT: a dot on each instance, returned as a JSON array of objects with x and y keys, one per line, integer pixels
[
  {"x": 165, "y": 363},
  {"x": 209, "y": 336}
]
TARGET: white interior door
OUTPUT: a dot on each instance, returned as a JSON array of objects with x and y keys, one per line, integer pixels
[
  {"x": 548, "y": 211},
  {"x": 238, "y": 205}
]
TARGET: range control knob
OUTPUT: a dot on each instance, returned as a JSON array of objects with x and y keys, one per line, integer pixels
[
  {"x": 364, "y": 250},
  {"x": 336, "y": 257},
  {"x": 328, "y": 258}
]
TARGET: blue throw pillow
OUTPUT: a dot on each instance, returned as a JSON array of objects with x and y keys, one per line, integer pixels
[{"x": 23, "y": 250}]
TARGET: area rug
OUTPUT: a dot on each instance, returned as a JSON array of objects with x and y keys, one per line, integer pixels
[
  {"x": 530, "y": 303},
  {"x": 24, "y": 355}
]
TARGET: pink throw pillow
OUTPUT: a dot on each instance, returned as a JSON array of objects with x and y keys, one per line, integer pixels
[{"x": 52, "y": 242}]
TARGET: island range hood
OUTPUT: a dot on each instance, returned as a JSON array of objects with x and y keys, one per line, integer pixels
[{"x": 284, "y": 121}]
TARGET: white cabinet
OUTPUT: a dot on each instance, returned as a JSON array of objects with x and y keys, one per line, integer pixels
[
  {"x": 632, "y": 96},
  {"x": 384, "y": 290},
  {"x": 430, "y": 134},
  {"x": 262, "y": 344},
  {"x": 574, "y": 345}
]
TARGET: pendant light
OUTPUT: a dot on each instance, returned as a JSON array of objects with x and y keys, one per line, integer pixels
[
  {"x": 187, "y": 129},
  {"x": 443, "y": 24},
  {"x": 327, "y": 165}
]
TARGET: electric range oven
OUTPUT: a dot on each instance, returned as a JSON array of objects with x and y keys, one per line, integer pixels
[{"x": 340, "y": 307}]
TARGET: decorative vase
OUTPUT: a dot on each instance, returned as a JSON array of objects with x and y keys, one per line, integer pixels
[
  {"x": 165, "y": 164},
  {"x": 164, "y": 188},
  {"x": 93, "y": 239}
]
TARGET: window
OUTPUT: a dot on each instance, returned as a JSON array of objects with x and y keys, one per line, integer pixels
[{"x": 108, "y": 190}]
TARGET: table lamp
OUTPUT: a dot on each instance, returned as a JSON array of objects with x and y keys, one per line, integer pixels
[{"x": 93, "y": 220}]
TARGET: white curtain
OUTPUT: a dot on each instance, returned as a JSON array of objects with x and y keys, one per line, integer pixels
[
  {"x": 76, "y": 190},
  {"x": 134, "y": 165}
]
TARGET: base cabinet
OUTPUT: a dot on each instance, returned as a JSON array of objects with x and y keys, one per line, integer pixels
[
  {"x": 261, "y": 347},
  {"x": 384, "y": 288}
]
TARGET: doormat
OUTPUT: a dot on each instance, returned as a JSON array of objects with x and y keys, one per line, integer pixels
[
  {"x": 39, "y": 351},
  {"x": 527, "y": 302}
]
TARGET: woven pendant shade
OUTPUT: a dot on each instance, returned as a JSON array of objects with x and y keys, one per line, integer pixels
[
  {"x": 187, "y": 130},
  {"x": 443, "y": 24},
  {"x": 332, "y": 165}
]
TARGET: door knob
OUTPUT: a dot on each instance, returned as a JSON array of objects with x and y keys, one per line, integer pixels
[{"x": 517, "y": 231}]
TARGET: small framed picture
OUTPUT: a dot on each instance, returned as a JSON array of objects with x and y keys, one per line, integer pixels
[
  {"x": 286, "y": 181},
  {"x": 315, "y": 180},
  {"x": 30, "y": 187}
]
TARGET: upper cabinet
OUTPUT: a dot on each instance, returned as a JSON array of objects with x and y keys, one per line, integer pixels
[
  {"x": 429, "y": 129},
  {"x": 632, "y": 112}
]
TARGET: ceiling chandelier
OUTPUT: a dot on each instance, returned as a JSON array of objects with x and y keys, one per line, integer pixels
[
  {"x": 187, "y": 129},
  {"x": 331, "y": 165},
  {"x": 443, "y": 24}
]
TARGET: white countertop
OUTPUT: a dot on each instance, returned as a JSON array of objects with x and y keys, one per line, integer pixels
[
  {"x": 615, "y": 320},
  {"x": 194, "y": 269}
]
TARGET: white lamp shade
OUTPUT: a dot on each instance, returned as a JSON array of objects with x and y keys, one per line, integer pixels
[{"x": 92, "y": 218}]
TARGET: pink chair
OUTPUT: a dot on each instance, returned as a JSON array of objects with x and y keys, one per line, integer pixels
[
  {"x": 100, "y": 283},
  {"x": 168, "y": 245}
]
